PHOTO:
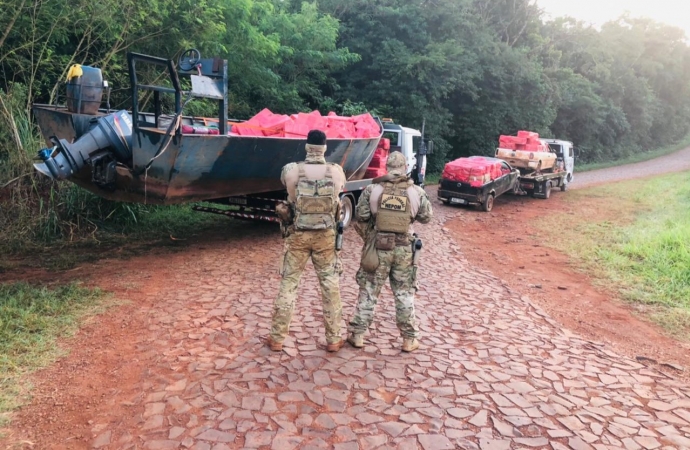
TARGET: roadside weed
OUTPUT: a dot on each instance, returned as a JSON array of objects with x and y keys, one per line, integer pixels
[
  {"x": 32, "y": 319},
  {"x": 634, "y": 235}
]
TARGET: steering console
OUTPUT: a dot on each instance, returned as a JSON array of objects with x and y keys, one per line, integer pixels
[{"x": 189, "y": 60}]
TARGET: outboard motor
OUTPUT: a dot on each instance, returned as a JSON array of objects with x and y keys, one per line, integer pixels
[
  {"x": 108, "y": 141},
  {"x": 84, "y": 89}
]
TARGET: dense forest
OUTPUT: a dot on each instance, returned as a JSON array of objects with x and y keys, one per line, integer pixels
[{"x": 473, "y": 69}]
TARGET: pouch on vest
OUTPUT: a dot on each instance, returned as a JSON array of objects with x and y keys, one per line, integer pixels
[
  {"x": 370, "y": 258},
  {"x": 393, "y": 215},
  {"x": 385, "y": 241},
  {"x": 316, "y": 203}
]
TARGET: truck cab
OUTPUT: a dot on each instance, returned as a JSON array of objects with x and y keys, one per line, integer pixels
[
  {"x": 410, "y": 143},
  {"x": 565, "y": 156}
]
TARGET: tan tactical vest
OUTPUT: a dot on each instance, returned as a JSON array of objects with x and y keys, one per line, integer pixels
[
  {"x": 316, "y": 202},
  {"x": 393, "y": 214}
]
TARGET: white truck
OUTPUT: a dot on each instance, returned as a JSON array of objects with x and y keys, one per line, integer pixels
[
  {"x": 411, "y": 144},
  {"x": 539, "y": 173}
]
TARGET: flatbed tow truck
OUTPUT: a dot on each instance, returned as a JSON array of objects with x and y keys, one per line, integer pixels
[{"x": 536, "y": 182}]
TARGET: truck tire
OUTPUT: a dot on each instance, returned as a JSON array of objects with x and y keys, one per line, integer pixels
[
  {"x": 564, "y": 186},
  {"x": 488, "y": 204},
  {"x": 547, "y": 190},
  {"x": 346, "y": 210}
]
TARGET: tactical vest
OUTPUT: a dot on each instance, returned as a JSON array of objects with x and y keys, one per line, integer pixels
[
  {"x": 393, "y": 215},
  {"x": 316, "y": 202}
]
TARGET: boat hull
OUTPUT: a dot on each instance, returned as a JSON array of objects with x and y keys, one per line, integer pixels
[{"x": 199, "y": 167}]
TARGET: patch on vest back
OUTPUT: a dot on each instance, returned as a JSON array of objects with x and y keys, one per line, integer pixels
[
  {"x": 393, "y": 202},
  {"x": 315, "y": 205}
]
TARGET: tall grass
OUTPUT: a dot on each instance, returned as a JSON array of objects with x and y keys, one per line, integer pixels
[
  {"x": 655, "y": 250},
  {"x": 31, "y": 320},
  {"x": 36, "y": 211},
  {"x": 19, "y": 137},
  {"x": 641, "y": 245}
]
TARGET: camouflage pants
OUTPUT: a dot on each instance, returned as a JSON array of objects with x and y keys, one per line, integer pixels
[
  {"x": 299, "y": 247},
  {"x": 397, "y": 266}
]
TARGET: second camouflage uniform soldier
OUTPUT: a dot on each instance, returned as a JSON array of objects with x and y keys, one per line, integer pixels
[{"x": 385, "y": 213}]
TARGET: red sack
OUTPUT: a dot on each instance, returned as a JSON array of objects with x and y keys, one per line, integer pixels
[
  {"x": 533, "y": 148},
  {"x": 513, "y": 139},
  {"x": 367, "y": 125},
  {"x": 296, "y": 129},
  {"x": 275, "y": 125},
  {"x": 528, "y": 134},
  {"x": 188, "y": 129},
  {"x": 265, "y": 123},
  {"x": 252, "y": 127},
  {"x": 476, "y": 170},
  {"x": 375, "y": 172},
  {"x": 379, "y": 159},
  {"x": 313, "y": 121}
]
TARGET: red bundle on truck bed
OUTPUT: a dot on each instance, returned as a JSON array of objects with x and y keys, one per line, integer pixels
[
  {"x": 377, "y": 166},
  {"x": 474, "y": 170},
  {"x": 525, "y": 140}
]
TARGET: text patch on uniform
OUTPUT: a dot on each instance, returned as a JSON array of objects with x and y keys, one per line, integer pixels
[{"x": 393, "y": 202}]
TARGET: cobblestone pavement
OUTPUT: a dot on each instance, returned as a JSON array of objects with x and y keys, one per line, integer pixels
[
  {"x": 494, "y": 372},
  {"x": 675, "y": 162}
]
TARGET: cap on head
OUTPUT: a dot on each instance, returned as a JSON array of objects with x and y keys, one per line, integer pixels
[
  {"x": 316, "y": 137},
  {"x": 396, "y": 164}
]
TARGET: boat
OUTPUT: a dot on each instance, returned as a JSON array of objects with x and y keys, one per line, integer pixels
[{"x": 148, "y": 157}]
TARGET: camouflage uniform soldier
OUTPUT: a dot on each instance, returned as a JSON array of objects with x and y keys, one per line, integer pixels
[
  {"x": 385, "y": 213},
  {"x": 309, "y": 220}
]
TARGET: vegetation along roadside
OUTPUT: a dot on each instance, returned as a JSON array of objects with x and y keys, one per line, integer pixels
[
  {"x": 32, "y": 320},
  {"x": 473, "y": 70},
  {"x": 635, "y": 236}
]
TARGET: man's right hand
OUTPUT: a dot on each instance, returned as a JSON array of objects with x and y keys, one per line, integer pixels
[{"x": 284, "y": 213}]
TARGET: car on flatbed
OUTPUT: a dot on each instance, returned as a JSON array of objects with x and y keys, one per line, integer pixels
[
  {"x": 538, "y": 179},
  {"x": 479, "y": 192}
]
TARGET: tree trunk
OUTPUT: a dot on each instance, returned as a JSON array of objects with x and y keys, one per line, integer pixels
[{"x": 11, "y": 24}]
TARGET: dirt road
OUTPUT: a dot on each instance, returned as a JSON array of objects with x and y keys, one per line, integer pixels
[
  {"x": 507, "y": 238},
  {"x": 183, "y": 365},
  {"x": 675, "y": 162}
]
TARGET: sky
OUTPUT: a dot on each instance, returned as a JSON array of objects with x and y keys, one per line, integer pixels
[{"x": 597, "y": 12}]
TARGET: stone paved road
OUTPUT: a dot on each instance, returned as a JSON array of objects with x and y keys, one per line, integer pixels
[{"x": 494, "y": 372}]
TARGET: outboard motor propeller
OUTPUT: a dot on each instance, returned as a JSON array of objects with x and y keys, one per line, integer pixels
[{"x": 111, "y": 136}]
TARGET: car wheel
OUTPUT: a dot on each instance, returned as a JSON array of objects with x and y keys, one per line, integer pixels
[{"x": 488, "y": 204}]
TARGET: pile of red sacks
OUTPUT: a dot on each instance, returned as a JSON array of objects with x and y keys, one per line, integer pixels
[
  {"x": 475, "y": 170},
  {"x": 298, "y": 125},
  {"x": 377, "y": 166},
  {"x": 525, "y": 140}
]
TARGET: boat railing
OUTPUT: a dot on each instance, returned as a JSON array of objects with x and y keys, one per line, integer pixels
[{"x": 209, "y": 79}]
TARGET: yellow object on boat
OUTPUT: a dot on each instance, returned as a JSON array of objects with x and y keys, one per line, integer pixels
[{"x": 74, "y": 71}]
